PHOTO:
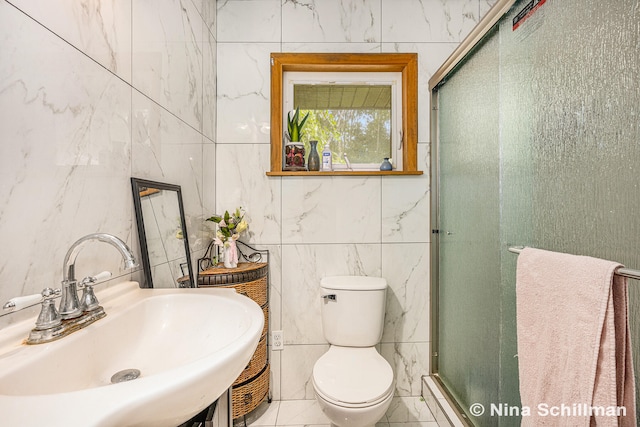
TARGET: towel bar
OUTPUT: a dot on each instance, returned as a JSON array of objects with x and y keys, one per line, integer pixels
[{"x": 625, "y": 272}]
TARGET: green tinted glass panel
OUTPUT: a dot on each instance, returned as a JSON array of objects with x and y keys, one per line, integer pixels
[{"x": 469, "y": 267}]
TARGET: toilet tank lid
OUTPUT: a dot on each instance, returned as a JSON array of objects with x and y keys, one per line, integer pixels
[{"x": 354, "y": 283}]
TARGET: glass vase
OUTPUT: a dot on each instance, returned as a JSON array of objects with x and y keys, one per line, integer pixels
[
  {"x": 386, "y": 165},
  {"x": 313, "y": 164},
  {"x": 230, "y": 254}
]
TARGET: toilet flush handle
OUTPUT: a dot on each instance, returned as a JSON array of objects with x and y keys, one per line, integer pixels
[{"x": 330, "y": 297}]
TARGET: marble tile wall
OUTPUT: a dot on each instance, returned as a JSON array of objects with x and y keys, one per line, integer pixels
[
  {"x": 319, "y": 226},
  {"x": 92, "y": 93}
]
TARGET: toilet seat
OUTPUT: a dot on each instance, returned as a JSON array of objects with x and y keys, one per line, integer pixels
[{"x": 353, "y": 377}]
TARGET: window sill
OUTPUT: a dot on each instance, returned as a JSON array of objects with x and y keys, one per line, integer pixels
[{"x": 344, "y": 173}]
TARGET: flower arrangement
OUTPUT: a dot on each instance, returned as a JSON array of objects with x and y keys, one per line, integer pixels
[{"x": 230, "y": 226}]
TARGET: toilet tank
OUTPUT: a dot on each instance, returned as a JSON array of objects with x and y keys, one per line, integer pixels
[{"x": 353, "y": 310}]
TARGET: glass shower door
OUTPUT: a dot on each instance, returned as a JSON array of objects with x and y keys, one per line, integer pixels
[{"x": 469, "y": 231}]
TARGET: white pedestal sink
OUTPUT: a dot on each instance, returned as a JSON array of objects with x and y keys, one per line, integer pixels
[{"x": 188, "y": 344}]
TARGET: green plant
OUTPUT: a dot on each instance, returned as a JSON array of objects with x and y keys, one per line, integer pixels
[{"x": 294, "y": 126}]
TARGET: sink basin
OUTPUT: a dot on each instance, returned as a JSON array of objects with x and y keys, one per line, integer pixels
[{"x": 189, "y": 345}]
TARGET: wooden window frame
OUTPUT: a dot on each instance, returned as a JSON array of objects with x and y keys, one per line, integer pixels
[{"x": 405, "y": 63}]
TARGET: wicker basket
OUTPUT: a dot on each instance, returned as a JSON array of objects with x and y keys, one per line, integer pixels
[
  {"x": 256, "y": 364},
  {"x": 251, "y": 283},
  {"x": 248, "y": 395},
  {"x": 251, "y": 280}
]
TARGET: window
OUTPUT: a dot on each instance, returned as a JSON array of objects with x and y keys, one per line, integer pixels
[
  {"x": 374, "y": 94},
  {"x": 355, "y": 113}
]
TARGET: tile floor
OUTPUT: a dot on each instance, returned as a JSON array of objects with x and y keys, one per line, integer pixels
[{"x": 403, "y": 412}]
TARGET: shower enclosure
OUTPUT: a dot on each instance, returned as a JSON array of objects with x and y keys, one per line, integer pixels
[{"x": 536, "y": 142}]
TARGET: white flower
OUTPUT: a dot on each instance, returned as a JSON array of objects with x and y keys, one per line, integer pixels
[{"x": 241, "y": 226}]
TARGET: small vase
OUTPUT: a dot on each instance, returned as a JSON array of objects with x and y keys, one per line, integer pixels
[
  {"x": 386, "y": 165},
  {"x": 294, "y": 156},
  {"x": 230, "y": 254},
  {"x": 314, "y": 158}
]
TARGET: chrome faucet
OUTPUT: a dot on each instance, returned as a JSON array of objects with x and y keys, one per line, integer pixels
[
  {"x": 74, "y": 314},
  {"x": 70, "y": 306}
]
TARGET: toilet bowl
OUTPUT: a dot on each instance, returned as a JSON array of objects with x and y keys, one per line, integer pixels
[
  {"x": 352, "y": 382},
  {"x": 353, "y": 386}
]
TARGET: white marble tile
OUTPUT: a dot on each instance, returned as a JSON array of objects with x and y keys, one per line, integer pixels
[
  {"x": 331, "y": 21},
  {"x": 199, "y": 231},
  {"x": 485, "y": 5},
  {"x": 428, "y": 20},
  {"x": 309, "y": 425},
  {"x": 415, "y": 424},
  {"x": 249, "y": 21},
  {"x": 275, "y": 279},
  {"x": 409, "y": 362},
  {"x": 166, "y": 149},
  {"x": 331, "y": 210},
  {"x": 275, "y": 362},
  {"x": 297, "y": 370},
  {"x": 303, "y": 266},
  {"x": 209, "y": 85},
  {"x": 264, "y": 415},
  {"x": 406, "y": 204},
  {"x": 207, "y": 9},
  {"x": 301, "y": 412},
  {"x": 244, "y": 109},
  {"x": 430, "y": 58},
  {"x": 66, "y": 156},
  {"x": 406, "y": 268},
  {"x": 331, "y": 47},
  {"x": 208, "y": 180},
  {"x": 409, "y": 409},
  {"x": 167, "y": 56},
  {"x": 241, "y": 181},
  {"x": 102, "y": 30}
]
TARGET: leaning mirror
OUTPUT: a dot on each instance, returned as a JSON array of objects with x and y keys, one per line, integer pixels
[{"x": 164, "y": 247}]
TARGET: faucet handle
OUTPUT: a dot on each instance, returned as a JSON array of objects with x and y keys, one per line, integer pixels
[
  {"x": 18, "y": 303},
  {"x": 92, "y": 280},
  {"x": 48, "y": 317},
  {"x": 89, "y": 302}
]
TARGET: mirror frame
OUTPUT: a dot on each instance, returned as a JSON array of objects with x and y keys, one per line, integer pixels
[
  {"x": 136, "y": 184},
  {"x": 405, "y": 63}
]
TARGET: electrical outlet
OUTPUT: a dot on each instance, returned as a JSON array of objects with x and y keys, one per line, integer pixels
[{"x": 277, "y": 340}]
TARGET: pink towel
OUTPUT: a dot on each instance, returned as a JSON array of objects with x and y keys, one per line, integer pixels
[{"x": 574, "y": 350}]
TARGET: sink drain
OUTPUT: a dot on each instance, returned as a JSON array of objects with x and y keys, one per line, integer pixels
[{"x": 125, "y": 375}]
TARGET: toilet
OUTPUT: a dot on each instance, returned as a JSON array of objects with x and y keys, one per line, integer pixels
[{"x": 352, "y": 382}]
